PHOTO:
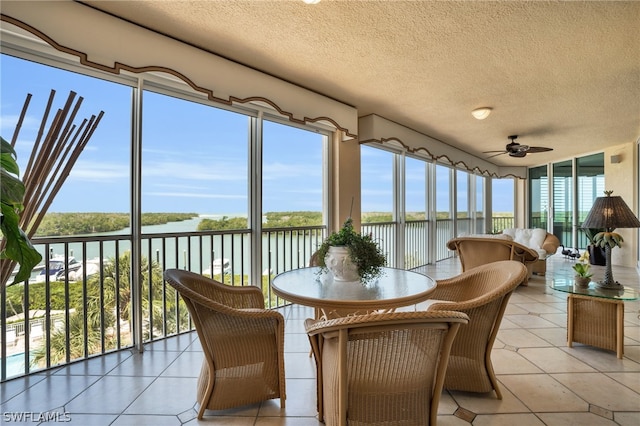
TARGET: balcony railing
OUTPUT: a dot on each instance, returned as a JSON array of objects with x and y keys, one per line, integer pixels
[{"x": 88, "y": 309}]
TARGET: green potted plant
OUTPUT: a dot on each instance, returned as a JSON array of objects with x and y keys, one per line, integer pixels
[
  {"x": 596, "y": 253},
  {"x": 351, "y": 253},
  {"x": 582, "y": 269},
  {"x": 15, "y": 245}
]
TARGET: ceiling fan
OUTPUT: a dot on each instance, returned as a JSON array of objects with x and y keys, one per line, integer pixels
[{"x": 514, "y": 149}]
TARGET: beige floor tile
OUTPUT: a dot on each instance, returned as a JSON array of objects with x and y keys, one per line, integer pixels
[
  {"x": 577, "y": 419},
  {"x": 155, "y": 400},
  {"x": 109, "y": 395},
  {"x": 91, "y": 419},
  {"x": 555, "y": 336},
  {"x": 146, "y": 420},
  {"x": 487, "y": 403},
  {"x": 542, "y": 393},
  {"x": 299, "y": 365},
  {"x": 554, "y": 360},
  {"x": 627, "y": 419},
  {"x": 451, "y": 420},
  {"x": 507, "y": 420},
  {"x": 601, "y": 359},
  {"x": 530, "y": 321},
  {"x": 630, "y": 380},
  {"x": 301, "y": 401},
  {"x": 287, "y": 421},
  {"x": 539, "y": 308},
  {"x": 510, "y": 362},
  {"x": 447, "y": 405},
  {"x": 600, "y": 390},
  {"x": 56, "y": 391},
  {"x": 187, "y": 364},
  {"x": 521, "y": 339},
  {"x": 223, "y": 421},
  {"x": 515, "y": 309}
]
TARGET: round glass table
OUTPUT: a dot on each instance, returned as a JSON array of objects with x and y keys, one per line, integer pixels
[
  {"x": 595, "y": 316},
  {"x": 313, "y": 287}
]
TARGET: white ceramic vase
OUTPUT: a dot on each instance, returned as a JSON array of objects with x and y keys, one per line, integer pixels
[{"x": 340, "y": 265}]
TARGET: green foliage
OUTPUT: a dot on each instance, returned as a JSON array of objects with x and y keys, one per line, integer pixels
[
  {"x": 376, "y": 217},
  {"x": 364, "y": 252},
  {"x": 582, "y": 269},
  {"x": 292, "y": 219},
  {"x": 223, "y": 224},
  {"x": 17, "y": 247},
  {"x": 59, "y": 224}
]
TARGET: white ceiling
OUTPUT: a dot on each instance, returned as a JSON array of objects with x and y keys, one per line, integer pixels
[{"x": 564, "y": 75}]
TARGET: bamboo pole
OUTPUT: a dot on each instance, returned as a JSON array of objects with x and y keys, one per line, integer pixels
[{"x": 54, "y": 154}]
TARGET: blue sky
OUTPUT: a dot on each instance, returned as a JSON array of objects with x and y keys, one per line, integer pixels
[{"x": 193, "y": 155}]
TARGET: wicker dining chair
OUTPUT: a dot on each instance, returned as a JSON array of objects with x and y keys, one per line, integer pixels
[
  {"x": 382, "y": 368},
  {"x": 243, "y": 342},
  {"x": 482, "y": 293}
]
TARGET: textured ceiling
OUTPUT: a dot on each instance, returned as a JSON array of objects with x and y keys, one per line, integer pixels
[{"x": 564, "y": 75}]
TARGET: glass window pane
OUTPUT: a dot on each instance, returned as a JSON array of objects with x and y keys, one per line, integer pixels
[
  {"x": 416, "y": 229},
  {"x": 502, "y": 204},
  {"x": 590, "y": 171},
  {"x": 376, "y": 185},
  {"x": 562, "y": 202},
  {"x": 292, "y": 175},
  {"x": 480, "y": 213},
  {"x": 194, "y": 158},
  {"x": 538, "y": 197},
  {"x": 462, "y": 202}
]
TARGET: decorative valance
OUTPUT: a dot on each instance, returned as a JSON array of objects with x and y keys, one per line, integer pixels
[
  {"x": 373, "y": 128},
  {"x": 110, "y": 44}
]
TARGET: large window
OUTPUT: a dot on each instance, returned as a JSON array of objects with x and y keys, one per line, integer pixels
[
  {"x": 563, "y": 202},
  {"x": 463, "y": 218},
  {"x": 538, "y": 197},
  {"x": 590, "y": 173},
  {"x": 292, "y": 193},
  {"x": 502, "y": 204}
]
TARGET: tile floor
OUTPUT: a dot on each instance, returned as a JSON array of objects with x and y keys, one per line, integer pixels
[{"x": 542, "y": 380}]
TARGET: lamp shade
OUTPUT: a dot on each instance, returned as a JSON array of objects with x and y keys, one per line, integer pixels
[{"x": 610, "y": 212}]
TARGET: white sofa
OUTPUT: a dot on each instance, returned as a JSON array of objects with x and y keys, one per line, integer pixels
[{"x": 538, "y": 239}]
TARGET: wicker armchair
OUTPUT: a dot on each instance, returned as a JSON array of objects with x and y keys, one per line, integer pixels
[
  {"x": 382, "y": 369},
  {"x": 482, "y": 293},
  {"x": 243, "y": 343},
  {"x": 476, "y": 251}
]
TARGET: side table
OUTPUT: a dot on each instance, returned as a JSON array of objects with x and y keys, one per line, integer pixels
[{"x": 595, "y": 316}]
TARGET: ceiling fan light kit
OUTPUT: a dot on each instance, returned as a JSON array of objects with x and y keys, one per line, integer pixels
[{"x": 481, "y": 113}]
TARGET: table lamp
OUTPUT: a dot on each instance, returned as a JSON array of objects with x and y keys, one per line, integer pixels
[{"x": 610, "y": 212}]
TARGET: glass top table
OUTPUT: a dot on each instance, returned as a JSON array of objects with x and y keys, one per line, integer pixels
[
  {"x": 312, "y": 287},
  {"x": 595, "y": 316},
  {"x": 566, "y": 285}
]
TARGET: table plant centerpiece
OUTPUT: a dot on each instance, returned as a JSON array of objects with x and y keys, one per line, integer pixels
[
  {"x": 582, "y": 269},
  {"x": 351, "y": 256}
]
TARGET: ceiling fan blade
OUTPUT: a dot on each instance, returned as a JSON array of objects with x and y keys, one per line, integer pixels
[
  {"x": 534, "y": 149},
  {"x": 495, "y": 155}
]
